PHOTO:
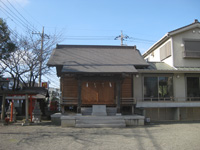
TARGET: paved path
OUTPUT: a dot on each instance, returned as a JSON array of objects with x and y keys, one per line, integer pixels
[{"x": 182, "y": 136}]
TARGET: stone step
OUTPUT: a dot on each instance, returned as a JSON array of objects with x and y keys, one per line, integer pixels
[
  {"x": 111, "y": 111},
  {"x": 100, "y": 125},
  {"x": 100, "y": 121},
  {"x": 99, "y": 110},
  {"x": 98, "y": 117},
  {"x": 86, "y": 110}
]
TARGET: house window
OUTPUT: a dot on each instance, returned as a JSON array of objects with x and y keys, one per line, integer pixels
[
  {"x": 150, "y": 87},
  {"x": 165, "y": 51},
  {"x": 158, "y": 87},
  {"x": 192, "y": 49},
  {"x": 193, "y": 87}
]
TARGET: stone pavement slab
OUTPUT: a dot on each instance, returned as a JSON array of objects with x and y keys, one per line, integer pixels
[{"x": 45, "y": 136}]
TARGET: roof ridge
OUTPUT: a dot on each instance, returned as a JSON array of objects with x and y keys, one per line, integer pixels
[{"x": 60, "y": 46}]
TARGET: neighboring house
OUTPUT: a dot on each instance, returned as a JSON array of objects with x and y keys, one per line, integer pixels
[{"x": 170, "y": 88}]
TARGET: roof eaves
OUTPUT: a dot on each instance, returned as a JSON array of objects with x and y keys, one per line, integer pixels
[
  {"x": 156, "y": 45},
  {"x": 166, "y": 71},
  {"x": 185, "y": 28}
]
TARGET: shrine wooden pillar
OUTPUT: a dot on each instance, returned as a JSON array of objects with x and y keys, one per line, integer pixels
[
  {"x": 3, "y": 108},
  {"x": 79, "y": 96},
  {"x": 11, "y": 111},
  {"x": 118, "y": 92},
  {"x": 27, "y": 109},
  {"x": 31, "y": 100}
]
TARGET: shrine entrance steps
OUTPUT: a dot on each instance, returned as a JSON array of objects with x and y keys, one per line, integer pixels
[
  {"x": 100, "y": 121},
  {"x": 99, "y": 116},
  {"x": 111, "y": 111}
]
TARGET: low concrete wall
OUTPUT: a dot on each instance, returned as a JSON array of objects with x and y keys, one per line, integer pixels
[
  {"x": 55, "y": 119},
  {"x": 130, "y": 120},
  {"x": 68, "y": 121},
  {"x": 134, "y": 120},
  {"x": 167, "y": 104}
]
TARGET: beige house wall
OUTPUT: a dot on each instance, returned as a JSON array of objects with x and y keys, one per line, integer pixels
[
  {"x": 178, "y": 48},
  {"x": 138, "y": 87},
  {"x": 179, "y": 87}
]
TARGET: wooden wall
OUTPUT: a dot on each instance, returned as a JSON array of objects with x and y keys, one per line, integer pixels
[
  {"x": 69, "y": 87},
  {"x": 127, "y": 87},
  {"x": 97, "y": 92}
]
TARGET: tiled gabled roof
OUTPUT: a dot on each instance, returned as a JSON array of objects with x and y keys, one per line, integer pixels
[{"x": 88, "y": 58}]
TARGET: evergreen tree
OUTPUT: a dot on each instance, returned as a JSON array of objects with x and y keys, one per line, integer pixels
[{"x": 6, "y": 45}]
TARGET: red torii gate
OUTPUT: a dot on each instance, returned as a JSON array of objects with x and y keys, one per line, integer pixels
[
  {"x": 26, "y": 92},
  {"x": 30, "y": 97}
]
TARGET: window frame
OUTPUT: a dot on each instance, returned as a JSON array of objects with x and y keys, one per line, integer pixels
[
  {"x": 188, "y": 53},
  {"x": 157, "y": 76},
  {"x": 191, "y": 76}
]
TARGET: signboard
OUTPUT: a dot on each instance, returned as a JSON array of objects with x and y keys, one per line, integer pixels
[{"x": 44, "y": 84}]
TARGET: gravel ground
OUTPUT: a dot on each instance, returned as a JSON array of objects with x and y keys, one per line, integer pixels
[{"x": 173, "y": 136}]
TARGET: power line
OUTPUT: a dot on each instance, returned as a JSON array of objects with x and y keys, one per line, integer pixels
[
  {"x": 52, "y": 82},
  {"x": 13, "y": 32},
  {"x": 145, "y": 40},
  {"x": 14, "y": 16},
  {"x": 96, "y": 39},
  {"x": 21, "y": 15},
  {"x": 28, "y": 13}
]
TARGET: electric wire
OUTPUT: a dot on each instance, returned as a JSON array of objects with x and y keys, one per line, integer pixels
[
  {"x": 14, "y": 16},
  {"x": 51, "y": 81},
  {"x": 21, "y": 15},
  {"x": 28, "y": 13}
]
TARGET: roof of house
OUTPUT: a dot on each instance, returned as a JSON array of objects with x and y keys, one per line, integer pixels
[
  {"x": 161, "y": 67},
  {"x": 92, "y": 58},
  {"x": 195, "y": 24},
  {"x": 157, "y": 67}
]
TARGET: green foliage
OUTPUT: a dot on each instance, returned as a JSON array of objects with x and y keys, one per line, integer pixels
[{"x": 6, "y": 45}]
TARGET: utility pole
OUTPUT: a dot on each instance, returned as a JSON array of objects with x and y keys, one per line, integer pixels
[
  {"x": 122, "y": 37},
  {"x": 41, "y": 56}
]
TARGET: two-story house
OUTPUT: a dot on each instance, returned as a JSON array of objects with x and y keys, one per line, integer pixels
[{"x": 170, "y": 88}]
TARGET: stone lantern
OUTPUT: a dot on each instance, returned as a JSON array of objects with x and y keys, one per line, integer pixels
[{"x": 36, "y": 113}]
